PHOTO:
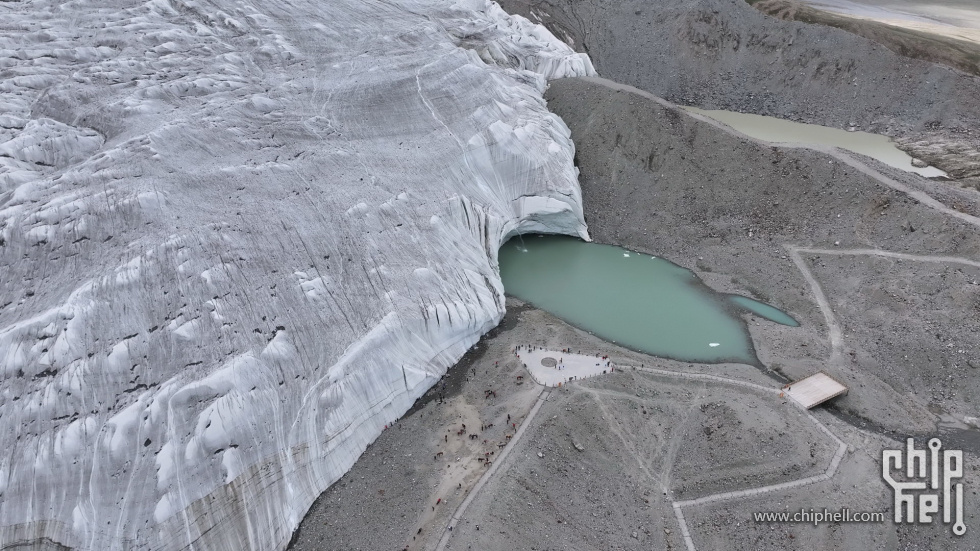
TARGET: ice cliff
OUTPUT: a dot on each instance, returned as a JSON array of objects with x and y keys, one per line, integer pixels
[{"x": 237, "y": 239}]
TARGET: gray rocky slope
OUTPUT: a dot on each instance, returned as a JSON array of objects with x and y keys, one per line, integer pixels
[
  {"x": 724, "y": 54},
  {"x": 237, "y": 239}
]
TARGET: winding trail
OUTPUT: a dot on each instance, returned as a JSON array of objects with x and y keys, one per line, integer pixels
[
  {"x": 889, "y": 254},
  {"x": 836, "y": 341},
  {"x": 836, "y": 334},
  {"x": 706, "y": 377}
]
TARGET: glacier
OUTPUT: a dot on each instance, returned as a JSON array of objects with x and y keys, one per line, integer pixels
[{"x": 238, "y": 239}]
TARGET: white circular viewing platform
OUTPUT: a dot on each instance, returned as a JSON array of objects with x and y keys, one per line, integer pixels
[{"x": 553, "y": 368}]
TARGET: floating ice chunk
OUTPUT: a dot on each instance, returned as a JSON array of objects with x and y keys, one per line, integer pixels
[{"x": 714, "y": 344}]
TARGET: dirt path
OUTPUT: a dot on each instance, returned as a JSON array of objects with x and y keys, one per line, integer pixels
[
  {"x": 890, "y": 254},
  {"x": 707, "y": 377},
  {"x": 919, "y": 196},
  {"x": 663, "y": 478},
  {"x": 836, "y": 334}
]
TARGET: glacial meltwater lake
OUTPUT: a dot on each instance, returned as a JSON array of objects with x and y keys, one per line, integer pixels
[
  {"x": 636, "y": 300},
  {"x": 775, "y": 130}
]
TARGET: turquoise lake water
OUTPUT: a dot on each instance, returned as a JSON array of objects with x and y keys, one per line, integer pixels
[{"x": 636, "y": 300}]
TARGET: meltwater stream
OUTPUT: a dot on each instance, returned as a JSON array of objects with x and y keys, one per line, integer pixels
[{"x": 640, "y": 301}]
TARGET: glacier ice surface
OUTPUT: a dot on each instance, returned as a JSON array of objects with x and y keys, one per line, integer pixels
[{"x": 238, "y": 239}]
